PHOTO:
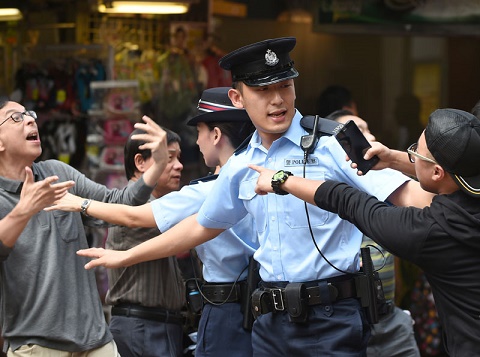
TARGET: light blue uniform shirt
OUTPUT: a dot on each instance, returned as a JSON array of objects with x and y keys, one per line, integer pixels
[
  {"x": 224, "y": 258},
  {"x": 287, "y": 252}
]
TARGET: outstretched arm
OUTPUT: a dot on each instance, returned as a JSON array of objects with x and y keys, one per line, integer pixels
[
  {"x": 409, "y": 194},
  {"x": 185, "y": 235},
  {"x": 119, "y": 214},
  {"x": 298, "y": 186},
  {"x": 33, "y": 198}
]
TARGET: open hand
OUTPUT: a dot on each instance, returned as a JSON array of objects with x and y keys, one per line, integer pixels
[
  {"x": 155, "y": 140},
  {"x": 38, "y": 195},
  {"x": 104, "y": 257},
  {"x": 68, "y": 202}
]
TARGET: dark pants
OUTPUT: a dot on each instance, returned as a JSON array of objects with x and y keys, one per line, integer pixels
[
  {"x": 220, "y": 332},
  {"x": 339, "y": 329},
  {"x": 137, "y": 337}
]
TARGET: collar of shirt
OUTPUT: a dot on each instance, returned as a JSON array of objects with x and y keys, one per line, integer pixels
[
  {"x": 14, "y": 186},
  {"x": 294, "y": 132}
]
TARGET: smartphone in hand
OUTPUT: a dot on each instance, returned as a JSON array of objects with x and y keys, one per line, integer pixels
[{"x": 355, "y": 145}]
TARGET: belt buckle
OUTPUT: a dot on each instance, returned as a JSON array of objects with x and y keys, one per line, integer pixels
[{"x": 277, "y": 300}]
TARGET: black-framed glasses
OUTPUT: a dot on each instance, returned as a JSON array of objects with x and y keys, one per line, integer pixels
[
  {"x": 17, "y": 117},
  {"x": 412, "y": 153}
]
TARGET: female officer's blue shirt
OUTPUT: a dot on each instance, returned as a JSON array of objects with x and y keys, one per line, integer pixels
[
  {"x": 224, "y": 258},
  {"x": 286, "y": 251}
]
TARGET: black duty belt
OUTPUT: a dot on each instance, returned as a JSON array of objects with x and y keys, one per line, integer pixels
[
  {"x": 223, "y": 293},
  {"x": 271, "y": 298},
  {"x": 148, "y": 313}
]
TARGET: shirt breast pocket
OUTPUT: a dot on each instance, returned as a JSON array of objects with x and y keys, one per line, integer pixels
[
  {"x": 253, "y": 203},
  {"x": 294, "y": 209},
  {"x": 66, "y": 225}
]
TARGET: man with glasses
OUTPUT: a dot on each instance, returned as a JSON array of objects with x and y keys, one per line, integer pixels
[
  {"x": 17, "y": 117},
  {"x": 442, "y": 239},
  {"x": 49, "y": 303}
]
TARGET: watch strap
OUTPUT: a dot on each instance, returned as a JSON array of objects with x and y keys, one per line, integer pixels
[{"x": 277, "y": 182}]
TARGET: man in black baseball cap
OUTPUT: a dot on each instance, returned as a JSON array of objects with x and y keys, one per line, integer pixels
[{"x": 453, "y": 139}]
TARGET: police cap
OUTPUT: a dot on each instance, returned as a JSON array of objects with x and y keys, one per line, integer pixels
[
  {"x": 216, "y": 106},
  {"x": 262, "y": 63}
]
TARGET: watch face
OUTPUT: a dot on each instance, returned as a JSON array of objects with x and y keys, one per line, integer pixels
[{"x": 279, "y": 175}]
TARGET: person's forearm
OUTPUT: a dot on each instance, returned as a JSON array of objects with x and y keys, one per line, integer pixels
[
  {"x": 123, "y": 215},
  {"x": 302, "y": 188},
  {"x": 151, "y": 176},
  {"x": 12, "y": 225},
  {"x": 184, "y": 236},
  {"x": 400, "y": 162}
]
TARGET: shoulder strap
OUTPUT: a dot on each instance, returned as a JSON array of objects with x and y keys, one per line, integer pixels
[
  {"x": 204, "y": 179},
  {"x": 325, "y": 126}
]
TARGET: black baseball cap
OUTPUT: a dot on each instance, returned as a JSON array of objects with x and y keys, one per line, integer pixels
[
  {"x": 262, "y": 63},
  {"x": 216, "y": 106},
  {"x": 453, "y": 139}
]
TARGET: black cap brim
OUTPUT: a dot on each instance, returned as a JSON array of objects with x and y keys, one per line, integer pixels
[
  {"x": 469, "y": 185},
  {"x": 281, "y": 76},
  {"x": 231, "y": 115}
]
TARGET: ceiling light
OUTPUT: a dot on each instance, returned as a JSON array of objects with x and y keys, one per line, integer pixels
[
  {"x": 10, "y": 14},
  {"x": 144, "y": 7}
]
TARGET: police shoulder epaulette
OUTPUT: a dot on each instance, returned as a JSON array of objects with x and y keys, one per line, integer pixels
[
  {"x": 204, "y": 179},
  {"x": 324, "y": 126},
  {"x": 243, "y": 145}
]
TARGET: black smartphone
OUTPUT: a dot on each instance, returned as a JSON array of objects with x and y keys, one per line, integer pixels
[{"x": 355, "y": 145}]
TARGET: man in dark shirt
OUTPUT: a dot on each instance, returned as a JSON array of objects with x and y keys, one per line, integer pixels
[{"x": 442, "y": 239}]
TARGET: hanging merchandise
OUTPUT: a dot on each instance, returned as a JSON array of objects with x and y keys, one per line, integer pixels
[
  {"x": 85, "y": 74},
  {"x": 114, "y": 109},
  {"x": 176, "y": 89}
]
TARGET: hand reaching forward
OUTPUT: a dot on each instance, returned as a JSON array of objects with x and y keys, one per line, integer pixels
[
  {"x": 68, "y": 202},
  {"x": 35, "y": 196},
  {"x": 264, "y": 181},
  {"x": 104, "y": 257}
]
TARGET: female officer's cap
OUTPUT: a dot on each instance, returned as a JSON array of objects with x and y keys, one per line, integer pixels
[
  {"x": 262, "y": 63},
  {"x": 216, "y": 106}
]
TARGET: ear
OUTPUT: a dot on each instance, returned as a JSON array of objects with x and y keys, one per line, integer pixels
[
  {"x": 139, "y": 163},
  {"x": 438, "y": 173},
  {"x": 236, "y": 98},
  {"x": 217, "y": 135}
]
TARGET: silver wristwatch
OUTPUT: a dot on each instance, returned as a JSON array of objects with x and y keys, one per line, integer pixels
[{"x": 85, "y": 205}]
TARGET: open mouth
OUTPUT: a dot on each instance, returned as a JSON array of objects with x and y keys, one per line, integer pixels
[{"x": 32, "y": 136}]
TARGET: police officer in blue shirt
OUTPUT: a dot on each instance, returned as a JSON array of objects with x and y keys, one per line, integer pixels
[
  {"x": 224, "y": 326},
  {"x": 307, "y": 304}
]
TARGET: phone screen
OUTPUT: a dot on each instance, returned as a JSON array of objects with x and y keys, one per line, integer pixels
[{"x": 355, "y": 145}]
